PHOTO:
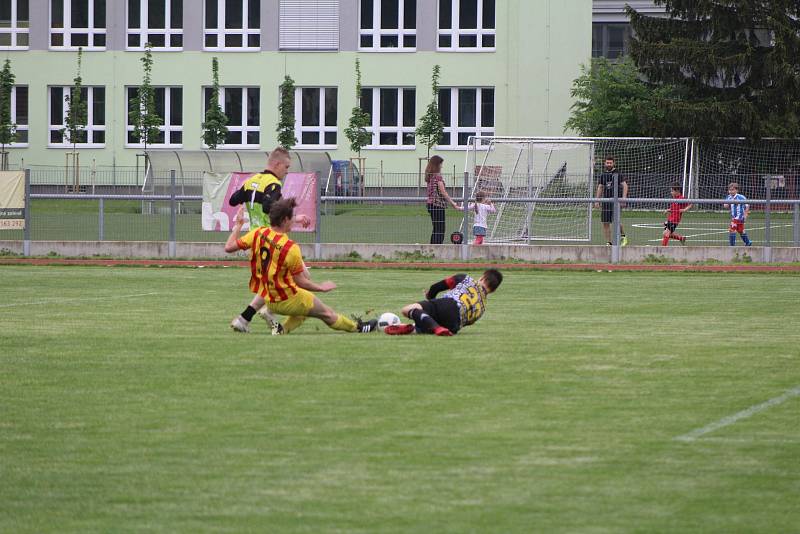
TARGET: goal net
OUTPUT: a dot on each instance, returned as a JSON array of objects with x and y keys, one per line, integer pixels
[
  {"x": 556, "y": 172},
  {"x": 515, "y": 171}
]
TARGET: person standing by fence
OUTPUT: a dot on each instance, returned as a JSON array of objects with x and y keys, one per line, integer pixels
[
  {"x": 483, "y": 206},
  {"x": 739, "y": 213},
  {"x": 437, "y": 198},
  {"x": 605, "y": 189}
]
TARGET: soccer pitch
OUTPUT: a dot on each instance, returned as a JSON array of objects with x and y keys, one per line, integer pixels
[{"x": 581, "y": 402}]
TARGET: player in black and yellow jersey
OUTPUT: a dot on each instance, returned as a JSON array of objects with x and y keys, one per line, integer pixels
[
  {"x": 259, "y": 191},
  {"x": 463, "y": 303},
  {"x": 278, "y": 275}
]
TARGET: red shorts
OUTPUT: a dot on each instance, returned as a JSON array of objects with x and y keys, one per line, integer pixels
[{"x": 737, "y": 226}]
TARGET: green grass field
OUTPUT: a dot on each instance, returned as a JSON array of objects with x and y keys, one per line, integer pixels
[
  {"x": 78, "y": 220},
  {"x": 129, "y": 406}
]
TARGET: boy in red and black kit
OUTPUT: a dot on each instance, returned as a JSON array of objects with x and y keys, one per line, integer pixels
[{"x": 674, "y": 214}]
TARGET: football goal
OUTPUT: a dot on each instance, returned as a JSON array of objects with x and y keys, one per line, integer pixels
[{"x": 516, "y": 171}]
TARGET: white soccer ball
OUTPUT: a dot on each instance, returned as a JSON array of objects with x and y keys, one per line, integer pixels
[{"x": 387, "y": 319}]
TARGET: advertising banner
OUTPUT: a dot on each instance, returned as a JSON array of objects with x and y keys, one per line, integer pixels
[
  {"x": 218, "y": 215},
  {"x": 12, "y": 200}
]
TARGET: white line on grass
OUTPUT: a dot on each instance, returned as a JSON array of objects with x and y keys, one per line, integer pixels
[
  {"x": 685, "y": 229},
  {"x": 51, "y": 301},
  {"x": 744, "y": 414}
]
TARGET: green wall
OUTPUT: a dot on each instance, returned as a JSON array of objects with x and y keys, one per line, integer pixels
[{"x": 540, "y": 47}]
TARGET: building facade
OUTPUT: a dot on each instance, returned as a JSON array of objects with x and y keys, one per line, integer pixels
[{"x": 506, "y": 69}]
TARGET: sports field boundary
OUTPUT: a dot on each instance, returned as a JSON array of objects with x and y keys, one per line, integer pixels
[{"x": 111, "y": 262}]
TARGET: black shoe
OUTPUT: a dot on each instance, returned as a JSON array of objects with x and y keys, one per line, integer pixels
[{"x": 365, "y": 327}]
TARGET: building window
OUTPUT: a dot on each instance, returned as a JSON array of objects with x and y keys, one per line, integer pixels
[
  {"x": 14, "y": 24},
  {"x": 388, "y": 24},
  {"x": 466, "y": 111},
  {"x": 466, "y": 25},
  {"x": 309, "y": 25},
  {"x": 94, "y": 133},
  {"x": 158, "y": 22},
  {"x": 232, "y": 25},
  {"x": 393, "y": 113},
  {"x": 19, "y": 114},
  {"x": 78, "y": 24},
  {"x": 610, "y": 40},
  {"x": 169, "y": 106},
  {"x": 315, "y": 117},
  {"x": 241, "y": 106}
]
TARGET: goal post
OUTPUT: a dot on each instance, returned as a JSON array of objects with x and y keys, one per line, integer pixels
[
  {"x": 540, "y": 181},
  {"x": 528, "y": 168}
]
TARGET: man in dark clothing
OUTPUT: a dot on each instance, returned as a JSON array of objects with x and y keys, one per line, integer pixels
[{"x": 605, "y": 189}]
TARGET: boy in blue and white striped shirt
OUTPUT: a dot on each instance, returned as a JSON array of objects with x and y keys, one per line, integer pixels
[{"x": 739, "y": 213}]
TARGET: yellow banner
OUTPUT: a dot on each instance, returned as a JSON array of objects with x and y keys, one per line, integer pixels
[{"x": 12, "y": 200}]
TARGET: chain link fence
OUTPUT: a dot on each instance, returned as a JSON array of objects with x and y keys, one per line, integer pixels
[{"x": 117, "y": 203}]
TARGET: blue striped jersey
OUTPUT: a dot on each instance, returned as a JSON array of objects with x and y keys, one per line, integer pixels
[{"x": 737, "y": 210}]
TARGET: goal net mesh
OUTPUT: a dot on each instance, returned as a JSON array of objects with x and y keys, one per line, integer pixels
[
  {"x": 558, "y": 172},
  {"x": 512, "y": 171}
]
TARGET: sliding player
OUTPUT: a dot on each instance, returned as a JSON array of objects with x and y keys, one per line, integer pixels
[
  {"x": 278, "y": 275},
  {"x": 463, "y": 303},
  {"x": 257, "y": 194}
]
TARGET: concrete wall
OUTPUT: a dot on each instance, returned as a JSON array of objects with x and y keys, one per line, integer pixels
[{"x": 496, "y": 253}]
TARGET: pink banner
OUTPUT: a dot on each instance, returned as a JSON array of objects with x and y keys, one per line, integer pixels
[{"x": 301, "y": 186}]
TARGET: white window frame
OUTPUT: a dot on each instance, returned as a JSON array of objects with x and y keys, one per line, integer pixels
[
  {"x": 90, "y": 127},
  {"x": 244, "y": 128},
  {"x": 144, "y": 31},
  {"x": 20, "y": 127},
  {"x": 376, "y": 32},
  {"x": 15, "y": 29},
  {"x": 455, "y": 32},
  {"x": 454, "y": 129},
  {"x": 67, "y": 31},
  {"x": 321, "y": 129},
  {"x": 220, "y": 31},
  {"x": 376, "y": 129},
  {"x": 167, "y": 127}
]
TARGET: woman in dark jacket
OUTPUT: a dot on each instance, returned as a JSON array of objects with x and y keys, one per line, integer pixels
[{"x": 437, "y": 198}]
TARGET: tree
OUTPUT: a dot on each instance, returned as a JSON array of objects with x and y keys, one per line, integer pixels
[
  {"x": 356, "y": 131},
  {"x": 612, "y": 99},
  {"x": 735, "y": 64},
  {"x": 8, "y": 130},
  {"x": 215, "y": 129},
  {"x": 285, "y": 129},
  {"x": 142, "y": 113},
  {"x": 75, "y": 120},
  {"x": 431, "y": 127}
]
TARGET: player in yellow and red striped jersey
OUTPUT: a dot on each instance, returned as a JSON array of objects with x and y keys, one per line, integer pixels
[
  {"x": 257, "y": 194},
  {"x": 279, "y": 278}
]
